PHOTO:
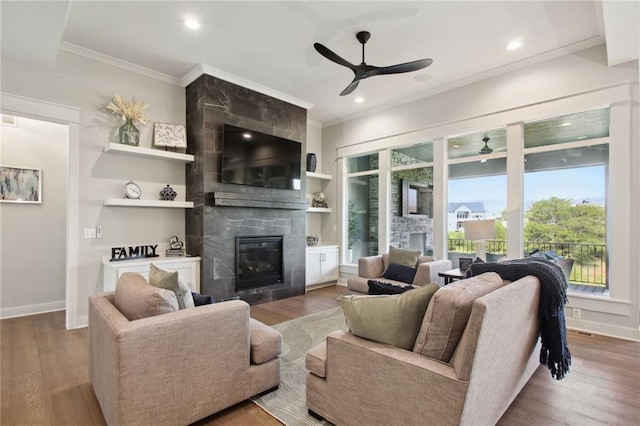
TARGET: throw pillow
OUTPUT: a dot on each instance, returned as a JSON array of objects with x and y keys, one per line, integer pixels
[
  {"x": 169, "y": 281},
  {"x": 401, "y": 273},
  {"x": 379, "y": 287},
  {"x": 186, "y": 294},
  {"x": 403, "y": 257},
  {"x": 136, "y": 299},
  {"x": 448, "y": 313},
  {"x": 391, "y": 319}
]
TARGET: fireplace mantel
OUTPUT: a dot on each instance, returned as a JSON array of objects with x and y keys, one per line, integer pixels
[{"x": 238, "y": 199}]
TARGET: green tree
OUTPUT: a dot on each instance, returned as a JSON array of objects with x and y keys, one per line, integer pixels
[{"x": 557, "y": 220}]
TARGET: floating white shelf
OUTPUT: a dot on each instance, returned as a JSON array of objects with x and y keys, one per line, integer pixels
[
  {"x": 126, "y": 202},
  {"x": 147, "y": 152},
  {"x": 318, "y": 210},
  {"x": 320, "y": 176}
]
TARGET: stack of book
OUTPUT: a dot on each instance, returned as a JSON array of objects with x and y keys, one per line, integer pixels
[{"x": 175, "y": 252}]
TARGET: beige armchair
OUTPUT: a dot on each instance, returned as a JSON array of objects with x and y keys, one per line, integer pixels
[
  {"x": 178, "y": 367},
  {"x": 372, "y": 268}
]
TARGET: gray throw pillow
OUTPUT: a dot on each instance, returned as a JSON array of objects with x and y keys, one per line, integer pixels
[
  {"x": 169, "y": 281},
  {"x": 391, "y": 319},
  {"x": 403, "y": 257}
]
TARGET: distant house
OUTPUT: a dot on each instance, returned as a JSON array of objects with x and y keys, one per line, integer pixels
[{"x": 459, "y": 212}]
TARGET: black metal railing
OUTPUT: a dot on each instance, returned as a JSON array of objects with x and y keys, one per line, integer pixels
[{"x": 590, "y": 260}]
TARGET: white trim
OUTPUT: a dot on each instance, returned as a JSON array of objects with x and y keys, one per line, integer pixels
[
  {"x": 70, "y": 116},
  {"x": 119, "y": 63},
  {"x": 543, "y": 57},
  {"x": 22, "y": 311},
  {"x": 314, "y": 123},
  {"x": 342, "y": 282},
  {"x": 603, "y": 329},
  {"x": 82, "y": 321},
  {"x": 598, "y": 304},
  {"x": 201, "y": 69}
]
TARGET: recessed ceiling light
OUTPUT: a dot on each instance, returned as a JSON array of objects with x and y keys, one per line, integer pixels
[
  {"x": 565, "y": 124},
  {"x": 246, "y": 135},
  {"x": 359, "y": 100},
  {"x": 456, "y": 146},
  {"x": 192, "y": 23},
  {"x": 515, "y": 44},
  {"x": 581, "y": 137}
]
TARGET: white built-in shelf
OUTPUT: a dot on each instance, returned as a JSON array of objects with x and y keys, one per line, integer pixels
[
  {"x": 320, "y": 176},
  {"x": 126, "y": 202},
  {"x": 318, "y": 210},
  {"x": 137, "y": 151}
]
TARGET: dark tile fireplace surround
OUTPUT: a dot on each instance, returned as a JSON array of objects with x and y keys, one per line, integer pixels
[{"x": 225, "y": 211}]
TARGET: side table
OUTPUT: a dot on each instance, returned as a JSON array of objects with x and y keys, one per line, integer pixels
[{"x": 452, "y": 275}]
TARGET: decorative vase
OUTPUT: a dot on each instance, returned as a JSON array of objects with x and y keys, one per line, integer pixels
[
  {"x": 168, "y": 194},
  {"x": 311, "y": 162},
  {"x": 129, "y": 133}
]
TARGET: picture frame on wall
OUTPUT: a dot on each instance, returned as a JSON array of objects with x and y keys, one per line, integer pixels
[{"x": 20, "y": 185}]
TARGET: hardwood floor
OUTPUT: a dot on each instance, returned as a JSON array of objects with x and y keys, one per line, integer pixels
[{"x": 44, "y": 376}]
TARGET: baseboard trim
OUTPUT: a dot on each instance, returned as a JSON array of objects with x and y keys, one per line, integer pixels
[
  {"x": 23, "y": 311},
  {"x": 608, "y": 330},
  {"x": 82, "y": 322}
]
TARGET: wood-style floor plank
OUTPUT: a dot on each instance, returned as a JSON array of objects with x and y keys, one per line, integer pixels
[{"x": 45, "y": 379}]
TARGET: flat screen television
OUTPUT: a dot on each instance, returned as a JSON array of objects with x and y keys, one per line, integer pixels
[{"x": 257, "y": 159}]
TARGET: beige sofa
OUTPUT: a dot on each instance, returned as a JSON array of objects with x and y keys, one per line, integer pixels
[
  {"x": 372, "y": 268},
  {"x": 354, "y": 381},
  {"x": 178, "y": 367}
]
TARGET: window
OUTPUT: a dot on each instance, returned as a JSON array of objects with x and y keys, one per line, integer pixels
[
  {"x": 362, "y": 209},
  {"x": 411, "y": 197},
  {"x": 477, "y": 189},
  {"x": 565, "y": 192}
]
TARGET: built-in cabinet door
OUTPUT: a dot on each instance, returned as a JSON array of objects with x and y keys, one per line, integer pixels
[
  {"x": 322, "y": 264},
  {"x": 313, "y": 271}
]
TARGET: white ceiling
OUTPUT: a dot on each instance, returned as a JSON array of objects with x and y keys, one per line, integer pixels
[{"x": 271, "y": 43}]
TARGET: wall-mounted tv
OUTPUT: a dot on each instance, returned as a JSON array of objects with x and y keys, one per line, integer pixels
[{"x": 257, "y": 159}]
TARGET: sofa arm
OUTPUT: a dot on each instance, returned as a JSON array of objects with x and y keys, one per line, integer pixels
[
  {"x": 370, "y": 267},
  {"x": 387, "y": 377},
  {"x": 428, "y": 272},
  {"x": 197, "y": 354}
]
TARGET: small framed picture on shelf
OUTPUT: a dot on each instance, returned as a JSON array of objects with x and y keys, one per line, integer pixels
[
  {"x": 20, "y": 185},
  {"x": 169, "y": 135},
  {"x": 465, "y": 263}
]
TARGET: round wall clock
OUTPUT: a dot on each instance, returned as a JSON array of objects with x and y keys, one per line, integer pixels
[{"x": 132, "y": 190}]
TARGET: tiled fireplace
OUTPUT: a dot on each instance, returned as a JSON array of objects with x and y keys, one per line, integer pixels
[{"x": 225, "y": 211}]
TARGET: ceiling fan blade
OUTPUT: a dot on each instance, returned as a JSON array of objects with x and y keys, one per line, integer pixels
[
  {"x": 351, "y": 87},
  {"x": 330, "y": 55},
  {"x": 400, "y": 68}
]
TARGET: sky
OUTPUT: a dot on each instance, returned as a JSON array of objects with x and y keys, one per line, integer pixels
[{"x": 577, "y": 184}]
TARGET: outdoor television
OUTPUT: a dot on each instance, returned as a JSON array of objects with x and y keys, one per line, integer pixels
[{"x": 257, "y": 159}]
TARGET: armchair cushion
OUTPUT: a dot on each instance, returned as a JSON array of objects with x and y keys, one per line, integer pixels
[
  {"x": 266, "y": 342},
  {"x": 136, "y": 299},
  {"x": 391, "y": 319},
  {"x": 397, "y": 272},
  {"x": 448, "y": 313}
]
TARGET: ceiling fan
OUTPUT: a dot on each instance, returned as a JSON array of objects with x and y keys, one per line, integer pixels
[
  {"x": 485, "y": 149},
  {"x": 363, "y": 70}
]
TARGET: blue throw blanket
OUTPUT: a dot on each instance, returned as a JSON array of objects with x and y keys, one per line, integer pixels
[{"x": 555, "y": 352}]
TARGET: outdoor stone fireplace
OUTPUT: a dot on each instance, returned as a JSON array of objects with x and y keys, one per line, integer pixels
[{"x": 225, "y": 211}]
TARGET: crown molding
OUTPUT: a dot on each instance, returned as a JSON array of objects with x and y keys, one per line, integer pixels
[
  {"x": 201, "y": 69},
  {"x": 314, "y": 123},
  {"x": 543, "y": 57},
  {"x": 110, "y": 60}
]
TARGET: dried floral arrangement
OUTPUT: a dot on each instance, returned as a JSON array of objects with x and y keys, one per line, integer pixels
[{"x": 133, "y": 110}]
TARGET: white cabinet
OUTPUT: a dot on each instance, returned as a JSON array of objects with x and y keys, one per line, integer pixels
[
  {"x": 188, "y": 269},
  {"x": 322, "y": 264}
]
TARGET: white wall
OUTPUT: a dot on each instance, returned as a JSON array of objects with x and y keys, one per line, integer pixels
[
  {"x": 86, "y": 84},
  {"x": 582, "y": 72},
  {"x": 32, "y": 268}
]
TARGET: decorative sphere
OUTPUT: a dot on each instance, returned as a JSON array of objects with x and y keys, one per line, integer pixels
[{"x": 319, "y": 197}]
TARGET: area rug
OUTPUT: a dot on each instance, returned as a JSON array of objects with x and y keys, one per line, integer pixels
[{"x": 288, "y": 403}]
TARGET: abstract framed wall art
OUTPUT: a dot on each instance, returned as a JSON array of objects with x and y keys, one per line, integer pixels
[
  {"x": 169, "y": 135},
  {"x": 20, "y": 185}
]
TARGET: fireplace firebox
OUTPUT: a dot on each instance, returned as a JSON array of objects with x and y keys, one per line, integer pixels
[{"x": 258, "y": 261}]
